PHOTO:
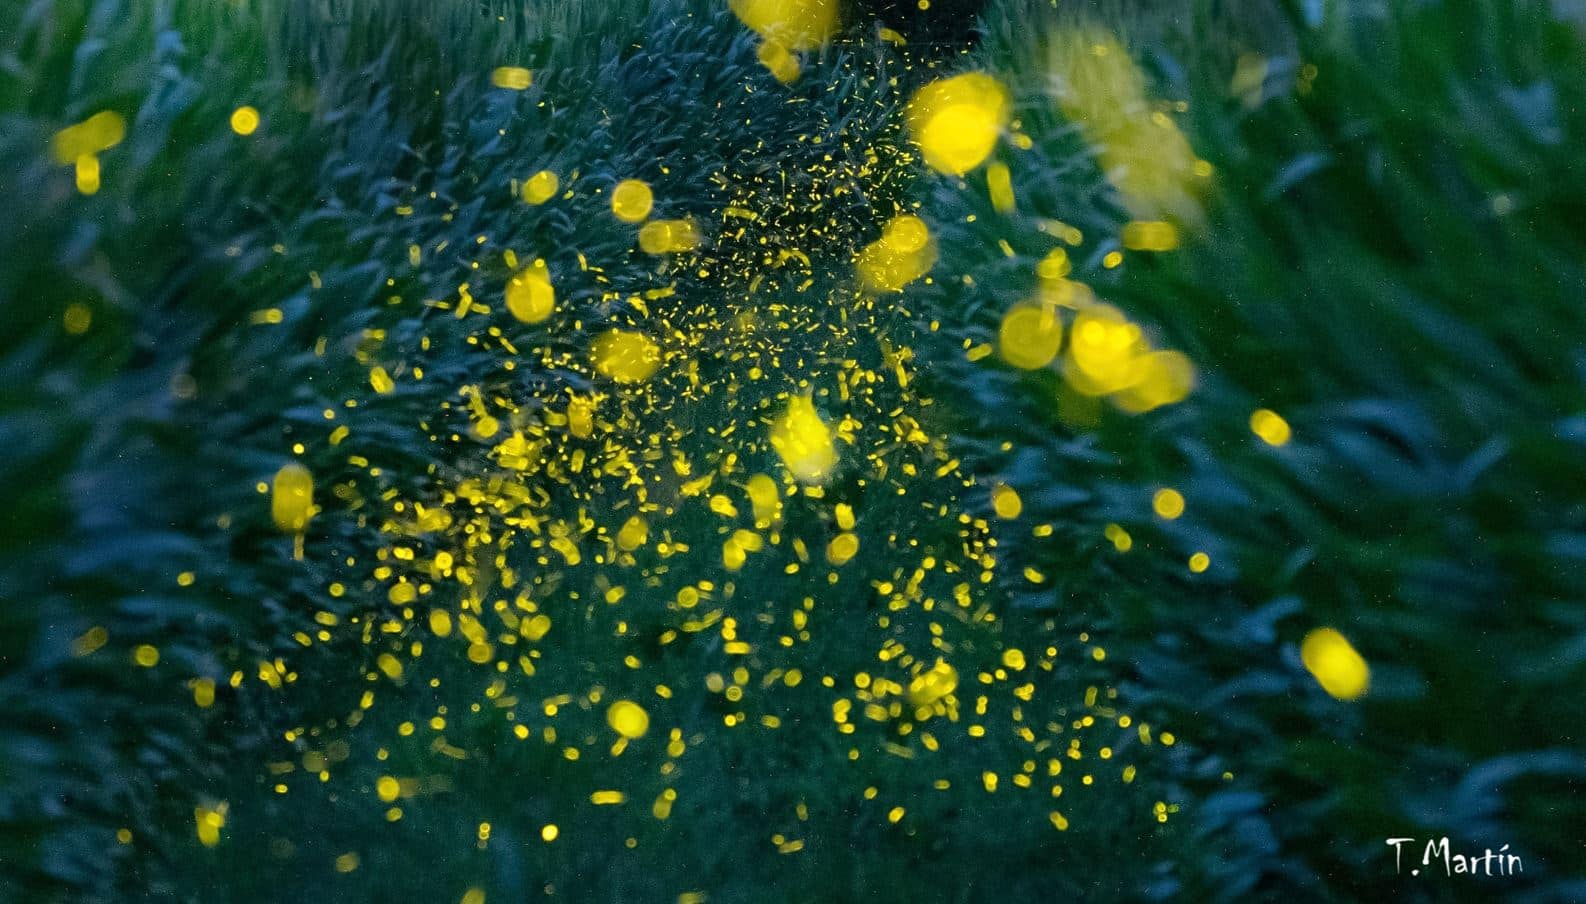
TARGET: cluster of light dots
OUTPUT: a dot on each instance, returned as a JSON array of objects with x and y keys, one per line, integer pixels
[{"x": 733, "y": 519}]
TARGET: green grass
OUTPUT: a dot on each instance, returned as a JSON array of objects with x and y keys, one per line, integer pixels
[
  {"x": 1390, "y": 255},
  {"x": 1391, "y": 260}
]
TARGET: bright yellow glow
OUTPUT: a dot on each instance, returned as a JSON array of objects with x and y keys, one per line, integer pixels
[
  {"x": 440, "y": 622},
  {"x": 514, "y": 78},
  {"x": 631, "y": 200},
  {"x": 1005, "y": 502},
  {"x": 626, "y": 356},
  {"x": 208, "y": 821},
  {"x": 956, "y": 121},
  {"x": 1160, "y": 378},
  {"x": 633, "y": 534},
  {"x": 244, "y": 120},
  {"x": 765, "y": 499},
  {"x": 843, "y": 547},
  {"x": 541, "y": 187},
  {"x": 933, "y": 684},
  {"x": 668, "y": 236},
  {"x": 1030, "y": 336},
  {"x": 1335, "y": 665},
  {"x": 99, "y": 132},
  {"x": 628, "y": 719},
  {"x": 1270, "y": 426},
  {"x": 530, "y": 296},
  {"x": 1102, "y": 350},
  {"x": 1109, "y": 356},
  {"x": 87, "y": 174},
  {"x": 387, "y": 789},
  {"x": 793, "y": 24},
  {"x": 905, "y": 252},
  {"x": 782, "y": 65},
  {"x": 1149, "y": 235},
  {"x": 804, "y": 442},
  {"x": 999, "y": 184},
  {"x": 1168, "y": 503},
  {"x": 292, "y": 498}
]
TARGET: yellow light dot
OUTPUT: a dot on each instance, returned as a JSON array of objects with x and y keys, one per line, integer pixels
[
  {"x": 87, "y": 174},
  {"x": 1270, "y": 426},
  {"x": 1029, "y": 336},
  {"x": 1120, "y": 538},
  {"x": 628, "y": 719},
  {"x": 1005, "y": 502},
  {"x": 513, "y": 78},
  {"x": 1199, "y": 562},
  {"x": 804, "y": 442},
  {"x": 1168, "y": 503},
  {"x": 895, "y": 814},
  {"x": 1335, "y": 665},
  {"x": 292, "y": 498},
  {"x": 956, "y": 121},
  {"x": 77, "y": 319},
  {"x": 388, "y": 789},
  {"x": 244, "y": 120},
  {"x": 208, "y": 822},
  {"x": 530, "y": 296},
  {"x": 631, "y": 200},
  {"x": 541, "y": 187},
  {"x": 999, "y": 183},
  {"x": 146, "y": 656},
  {"x": 440, "y": 622},
  {"x": 843, "y": 547},
  {"x": 204, "y": 692}
]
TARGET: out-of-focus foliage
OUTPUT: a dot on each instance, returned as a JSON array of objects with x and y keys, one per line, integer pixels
[
  {"x": 1255, "y": 325},
  {"x": 1381, "y": 298}
]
